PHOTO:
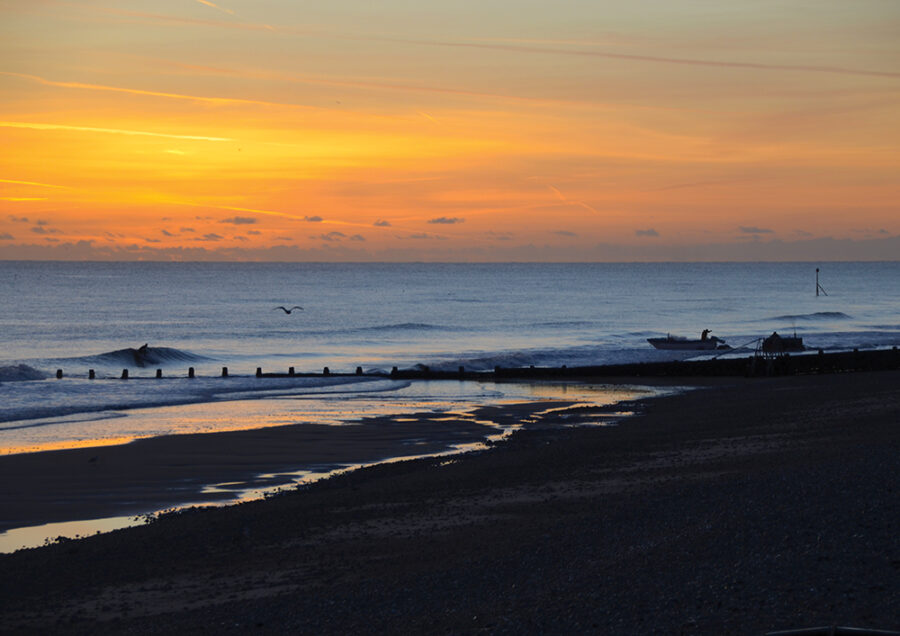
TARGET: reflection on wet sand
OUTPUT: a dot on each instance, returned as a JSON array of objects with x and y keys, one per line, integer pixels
[{"x": 236, "y": 451}]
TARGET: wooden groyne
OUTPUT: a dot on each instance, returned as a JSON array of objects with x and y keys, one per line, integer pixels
[{"x": 750, "y": 366}]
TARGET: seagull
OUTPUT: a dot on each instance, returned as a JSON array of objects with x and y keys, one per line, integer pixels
[{"x": 286, "y": 310}]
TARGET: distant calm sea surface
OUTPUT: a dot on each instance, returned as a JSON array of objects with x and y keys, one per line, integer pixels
[{"x": 81, "y": 316}]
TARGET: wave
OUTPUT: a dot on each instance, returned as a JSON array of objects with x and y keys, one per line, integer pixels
[
  {"x": 565, "y": 323},
  {"x": 819, "y": 315},
  {"x": 588, "y": 355},
  {"x": 390, "y": 328},
  {"x": 20, "y": 373},
  {"x": 143, "y": 356}
]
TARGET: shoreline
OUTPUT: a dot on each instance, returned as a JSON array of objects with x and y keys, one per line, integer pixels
[
  {"x": 148, "y": 475},
  {"x": 746, "y": 507}
]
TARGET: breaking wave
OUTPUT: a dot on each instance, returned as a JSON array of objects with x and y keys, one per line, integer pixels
[
  {"x": 20, "y": 373},
  {"x": 143, "y": 356}
]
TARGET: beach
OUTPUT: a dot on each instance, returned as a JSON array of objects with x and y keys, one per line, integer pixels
[{"x": 743, "y": 506}]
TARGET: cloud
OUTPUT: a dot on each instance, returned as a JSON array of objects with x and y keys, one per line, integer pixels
[
  {"x": 648, "y": 232},
  {"x": 52, "y": 240},
  {"x": 212, "y": 236},
  {"x": 239, "y": 220},
  {"x": 42, "y": 229},
  {"x": 284, "y": 238},
  {"x": 420, "y": 236},
  {"x": 565, "y": 233},
  {"x": 152, "y": 240},
  {"x": 187, "y": 229},
  {"x": 6, "y": 236},
  {"x": 240, "y": 238},
  {"x": 884, "y": 232},
  {"x": 19, "y": 219},
  {"x": 254, "y": 232},
  {"x": 357, "y": 237},
  {"x": 332, "y": 236},
  {"x": 167, "y": 233},
  {"x": 445, "y": 220},
  {"x": 313, "y": 219},
  {"x": 754, "y": 230},
  {"x": 380, "y": 223}
]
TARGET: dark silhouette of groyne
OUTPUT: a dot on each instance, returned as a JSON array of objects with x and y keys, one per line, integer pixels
[{"x": 749, "y": 366}]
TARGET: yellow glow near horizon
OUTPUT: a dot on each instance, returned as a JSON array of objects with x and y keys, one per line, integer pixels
[{"x": 468, "y": 132}]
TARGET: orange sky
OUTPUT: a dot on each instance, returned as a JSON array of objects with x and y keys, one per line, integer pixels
[{"x": 449, "y": 131}]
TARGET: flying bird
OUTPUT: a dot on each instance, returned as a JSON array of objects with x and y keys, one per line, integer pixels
[{"x": 286, "y": 310}]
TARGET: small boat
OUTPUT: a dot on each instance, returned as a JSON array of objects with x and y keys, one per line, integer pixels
[
  {"x": 706, "y": 342},
  {"x": 776, "y": 343}
]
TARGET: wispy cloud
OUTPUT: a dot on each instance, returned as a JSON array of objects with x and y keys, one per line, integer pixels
[
  {"x": 565, "y": 233},
  {"x": 43, "y": 229},
  {"x": 240, "y": 220},
  {"x": 647, "y": 232},
  {"x": 381, "y": 223},
  {"x": 23, "y": 198},
  {"x": 112, "y": 131},
  {"x": 6, "y": 236},
  {"x": 445, "y": 220},
  {"x": 755, "y": 230},
  {"x": 331, "y": 236},
  {"x": 424, "y": 236}
]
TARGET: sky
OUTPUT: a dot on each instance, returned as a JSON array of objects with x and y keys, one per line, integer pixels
[{"x": 497, "y": 130}]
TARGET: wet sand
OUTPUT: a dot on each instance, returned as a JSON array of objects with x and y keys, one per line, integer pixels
[
  {"x": 157, "y": 473},
  {"x": 748, "y": 506}
]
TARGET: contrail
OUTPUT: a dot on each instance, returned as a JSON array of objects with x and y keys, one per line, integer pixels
[
  {"x": 652, "y": 58},
  {"x": 216, "y": 7},
  {"x": 137, "y": 91},
  {"x": 520, "y": 48},
  {"x": 33, "y": 183},
  {"x": 114, "y": 131}
]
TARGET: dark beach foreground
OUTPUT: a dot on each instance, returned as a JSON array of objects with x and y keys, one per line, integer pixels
[{"x": 748, "y": 506}]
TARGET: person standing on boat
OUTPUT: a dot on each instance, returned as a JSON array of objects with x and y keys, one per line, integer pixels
[{"x": 704, "y": 335}]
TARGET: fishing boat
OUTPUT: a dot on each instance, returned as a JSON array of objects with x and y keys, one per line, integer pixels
[{"x": 706, "y": 342}]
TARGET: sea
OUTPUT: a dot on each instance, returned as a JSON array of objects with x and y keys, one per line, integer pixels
[{"x": 145, "y": 318}]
